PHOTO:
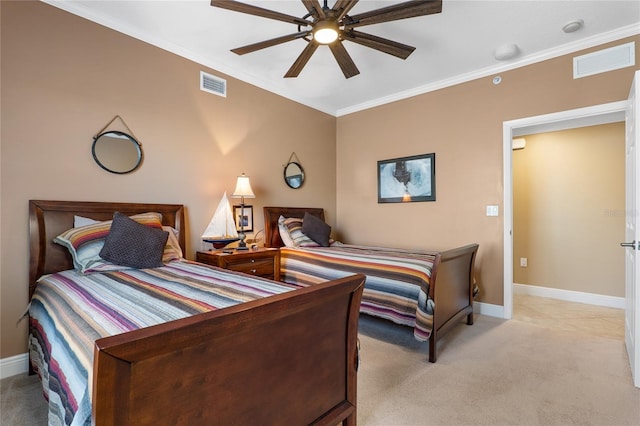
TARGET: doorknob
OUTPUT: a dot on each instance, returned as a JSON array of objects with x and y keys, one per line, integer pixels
[{"x": 631, "y": 244}]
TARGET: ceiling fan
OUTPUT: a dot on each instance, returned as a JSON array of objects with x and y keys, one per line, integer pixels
[{"x": 331, "y": 26}]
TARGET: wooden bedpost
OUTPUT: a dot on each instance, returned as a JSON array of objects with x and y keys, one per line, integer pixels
[{"x": 452, "y": 291}]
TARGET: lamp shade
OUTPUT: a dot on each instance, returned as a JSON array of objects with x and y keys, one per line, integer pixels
[{"x": 243, "y": 188}]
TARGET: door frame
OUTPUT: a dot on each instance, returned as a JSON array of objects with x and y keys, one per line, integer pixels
[{"x": 613, "y": 112}]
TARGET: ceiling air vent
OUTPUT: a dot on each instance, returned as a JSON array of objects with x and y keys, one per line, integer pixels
[
  {"x": 212, "y": 84},
  {"x": 604, "y": 60}
]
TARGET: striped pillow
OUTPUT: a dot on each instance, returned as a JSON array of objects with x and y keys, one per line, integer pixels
[
  {"x": 172, "y": 251},
  {"x": 284, "y": 233},
  {"x": 293, "y": 227},
  {"x": 84, "y": 243}
]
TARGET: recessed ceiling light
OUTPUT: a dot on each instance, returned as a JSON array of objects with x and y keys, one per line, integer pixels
[
  {"x": 573, "y": 26},
  {"x": 506, "y": 52}
]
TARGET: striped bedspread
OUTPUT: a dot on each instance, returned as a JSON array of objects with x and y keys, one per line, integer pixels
[
  {"x": 397, "y": 284},
  {"x": 69, "y": 311}
]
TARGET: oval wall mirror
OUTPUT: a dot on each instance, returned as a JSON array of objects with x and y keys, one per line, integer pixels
[
  {"x": 117, "y": 152},
  {"x": 293, "y": 175}
]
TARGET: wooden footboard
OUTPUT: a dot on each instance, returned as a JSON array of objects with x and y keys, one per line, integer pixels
[
  {"x": 452, "y": 291},
  {"x": 286, "y": 359}
]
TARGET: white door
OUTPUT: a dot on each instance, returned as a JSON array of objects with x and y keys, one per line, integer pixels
[{"x": 632, "y": 231}]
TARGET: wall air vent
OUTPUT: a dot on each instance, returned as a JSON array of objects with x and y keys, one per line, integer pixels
[
  {"x": 212, "y": 84},
  {"x": 604, "y": 60}
]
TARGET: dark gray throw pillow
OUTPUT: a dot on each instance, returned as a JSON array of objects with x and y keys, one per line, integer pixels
[
  {"x": 316, "y": 229},
  {"x": 133, "y": 244}
]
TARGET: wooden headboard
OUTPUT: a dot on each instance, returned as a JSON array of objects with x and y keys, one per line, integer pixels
[
  {"x": 48, "y": 219},
  {"x": 271, "y": 215}
]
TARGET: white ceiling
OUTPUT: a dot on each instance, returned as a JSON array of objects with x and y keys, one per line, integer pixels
[{"x": 454, "y": 46}]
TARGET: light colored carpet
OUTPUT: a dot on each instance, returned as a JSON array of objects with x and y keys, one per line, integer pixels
[
  {"x": 572, "y": 370},
  {"x": 496, "y": 372}
]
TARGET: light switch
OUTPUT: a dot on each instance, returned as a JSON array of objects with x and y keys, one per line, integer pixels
[{"x": 492, "y": 210}]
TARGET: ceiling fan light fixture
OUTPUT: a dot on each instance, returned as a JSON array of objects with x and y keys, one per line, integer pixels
[
  {"x": 325, "y": 32},
  {"x": 332, "y": 26}
]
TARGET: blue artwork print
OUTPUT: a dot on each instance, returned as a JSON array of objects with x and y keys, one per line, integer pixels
[{"x": 407, "y": 179}]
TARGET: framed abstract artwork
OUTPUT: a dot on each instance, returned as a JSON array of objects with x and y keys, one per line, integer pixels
[{"x": 407, "y": 179}]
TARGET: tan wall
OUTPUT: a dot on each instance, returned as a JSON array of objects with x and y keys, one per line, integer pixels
[
  {"x": 568, "y": 210},
  {"x": 463, "y": 126},
  {"x": 63, "y": 78}
]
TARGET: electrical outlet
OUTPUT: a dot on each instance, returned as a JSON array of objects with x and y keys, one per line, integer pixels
[{"x": 523, "y": 262}]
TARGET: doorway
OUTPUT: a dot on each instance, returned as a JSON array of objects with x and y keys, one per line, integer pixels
[
  {"x": 600, "y": 114},
  {"x": 568, "y": 206}
]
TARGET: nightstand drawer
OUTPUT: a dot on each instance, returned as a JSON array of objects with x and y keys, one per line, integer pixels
[
  {"x": 261, "y": 262},
  {"x": 262, "y": 267}
]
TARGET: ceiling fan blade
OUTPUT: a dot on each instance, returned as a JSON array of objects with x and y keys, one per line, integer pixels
[
  {"x": 347, "y": 65},
  {"x": 236, "y": 6},
  {"x": 409, "y": 9},
  {"x": 342, "y": 7},
  {"x": 268, "y": 43},
  {"x": 314, "y": 8},
  {"x": 302, "y": 60},
  {"x": 391, "y": 47}
]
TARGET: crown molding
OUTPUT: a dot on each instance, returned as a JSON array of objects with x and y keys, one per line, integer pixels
[
  {"x": 81, "y": 11},
  {"x": 565, "y": 49}
]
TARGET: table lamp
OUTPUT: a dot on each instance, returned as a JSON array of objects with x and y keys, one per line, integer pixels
[{"x": 242, "y": 191}]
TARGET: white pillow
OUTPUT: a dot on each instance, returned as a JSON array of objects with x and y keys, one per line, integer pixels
[
  {"x": 284, "y": 233},
  {"x": 79, "y": 221}
]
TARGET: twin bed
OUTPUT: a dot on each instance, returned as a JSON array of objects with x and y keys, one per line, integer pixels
[
  {"x": 186, "y": 343},
  {"x": 430, "y": 291},
  {"x": 183, "y": 343}
]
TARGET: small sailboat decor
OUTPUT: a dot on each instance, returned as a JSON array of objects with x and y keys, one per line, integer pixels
[{"x": 222, "y": 228}]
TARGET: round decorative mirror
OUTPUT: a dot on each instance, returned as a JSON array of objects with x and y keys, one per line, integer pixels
[
  {"x": 117, "y": 152},
  {"x": 293, "y": 175}
]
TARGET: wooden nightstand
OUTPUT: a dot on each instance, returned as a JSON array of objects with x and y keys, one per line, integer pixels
[{"x": 262, "y": 262}]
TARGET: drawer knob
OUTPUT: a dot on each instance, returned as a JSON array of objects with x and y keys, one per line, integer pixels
[{"x": 253, "y": 271}]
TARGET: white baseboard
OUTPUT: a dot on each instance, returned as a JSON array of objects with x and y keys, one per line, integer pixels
[
  {"x": 552, "y": 293},
  {"x": 488, "y": 309},
  {"x": 14, "y": 365},
  {"x": 570, "y": 296}
]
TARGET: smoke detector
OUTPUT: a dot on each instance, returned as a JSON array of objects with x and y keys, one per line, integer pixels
[
  {"x": 506, "y": 52},
  {"x": 573, "y": 26}
]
